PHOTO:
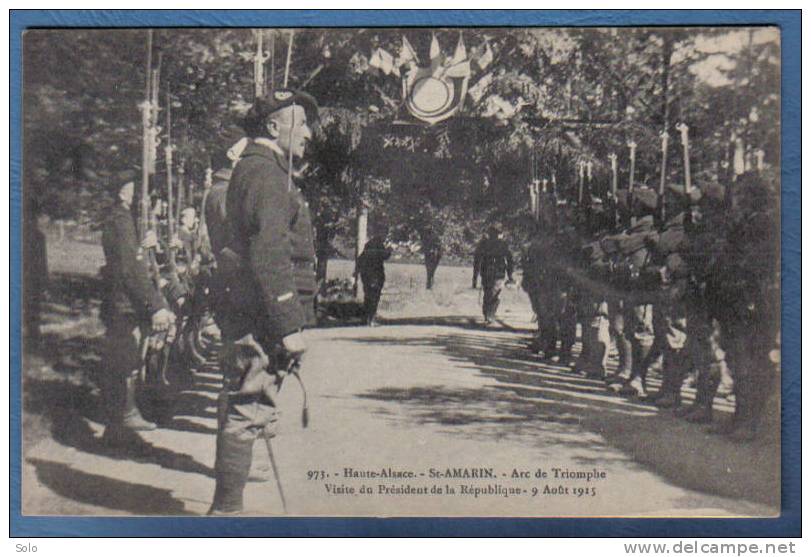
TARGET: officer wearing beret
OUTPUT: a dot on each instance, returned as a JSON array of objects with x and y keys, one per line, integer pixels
[
  {"x": 132, "y": 307},
  {"x": 268, "y": 266}
]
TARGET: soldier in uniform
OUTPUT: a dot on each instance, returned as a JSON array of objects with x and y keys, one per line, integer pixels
[
  {"x": 214, "y": 208},
  {"x": 493, "y": 262},
  {"x": 186, "y": 240},
  {"x": 268, "y": 267},
  {"x": 132, "y": 308},
  {"x": 549, "y": 292},
  {"x": 532, "y": 284},
  {"x": 432, "y": 250},
  {"x": 373, "y": 275}
]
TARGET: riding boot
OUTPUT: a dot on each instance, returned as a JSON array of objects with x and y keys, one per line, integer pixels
[
  {"x": 550, "y": 349},
  {"x": 666, "y": 388},
  {"x": 701, "y": 409},
  {"x": 567, "y": 331},
  {"x": 708, "y": 382},
  {"x": 673, "y": 372},
  {"x": 669, "y": 395},
  {"x": 232, "y": 467},
  {"x": 546, "y": 337},
  {"x": 232, "y": 463}
]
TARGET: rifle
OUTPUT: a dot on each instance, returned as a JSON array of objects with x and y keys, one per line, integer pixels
[
  {"x": 289, "y": 56},
  {"x": 169, "y": 196},
  {"x": 181, "y": 189},
  {"x": 685, "y": 141},
  {"x": 588, "y": 194},
  {"x": 613, "y": 158},
  {"x": 259, "y": 59},
  {"x": 664, "y": 135},
  {"x": 148, "y": 157},
  {"x": 581, "y": 167},
  {"x": 632, "y": 147},
  {"x": 203, "y": 239}
]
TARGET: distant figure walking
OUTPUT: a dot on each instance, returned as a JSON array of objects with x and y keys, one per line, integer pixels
[
  {"x": 492, "y": 262},
  {"x": 373, "y": 274},
  {"x": 432, "y": 251}
]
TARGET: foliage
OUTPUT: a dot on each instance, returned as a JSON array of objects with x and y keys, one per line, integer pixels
[{"x": 552, "y": 96}]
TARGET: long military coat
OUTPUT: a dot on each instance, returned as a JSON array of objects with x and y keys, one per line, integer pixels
[
  {"x": 270, "y": 254},
  {"x": 128, "y": 288}
]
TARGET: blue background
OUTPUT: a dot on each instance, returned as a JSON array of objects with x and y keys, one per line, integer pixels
[{"x": 788, "y": 524}]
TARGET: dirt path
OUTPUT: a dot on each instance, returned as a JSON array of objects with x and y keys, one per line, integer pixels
[{"x": 419, "y": 395}]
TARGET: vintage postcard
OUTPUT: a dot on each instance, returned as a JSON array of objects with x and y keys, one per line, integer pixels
[{"x": 428, "y": 271}]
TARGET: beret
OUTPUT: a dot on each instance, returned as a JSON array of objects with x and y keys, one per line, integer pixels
[{"x": 275, "y": 101}]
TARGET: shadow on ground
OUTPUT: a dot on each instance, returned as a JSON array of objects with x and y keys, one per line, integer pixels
[
  {"x": 102, "y": 491},
  {"x": 550, "y": 406},
  {"x": 60, "y": 394},
  {"x": 455, "y": 321}
]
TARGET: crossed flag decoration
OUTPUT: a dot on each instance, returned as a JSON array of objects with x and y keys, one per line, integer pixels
[{"x": 435, "y": 92}]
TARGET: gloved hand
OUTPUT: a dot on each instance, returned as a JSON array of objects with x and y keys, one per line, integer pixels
[
  {"x": 294, "y": 344},
  {"x": 176, "y": 242},
  {"x": 150, "y": 240},
  {"x": 162, "y": 320}
]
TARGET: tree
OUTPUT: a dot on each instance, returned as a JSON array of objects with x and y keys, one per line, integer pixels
[{"x": 555, "y": 96}]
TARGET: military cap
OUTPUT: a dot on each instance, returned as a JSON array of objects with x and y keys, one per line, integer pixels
[
  {"x": 645, "y": 200},
  {"x": 712, "y": 191},
  {"x": 678, "y": 191},
  {"x": 223, "y": 174},
  {"x": 263, "y": 107},
  {"x": 117, "y": 180},
  {"x": 125, "y": 176}
]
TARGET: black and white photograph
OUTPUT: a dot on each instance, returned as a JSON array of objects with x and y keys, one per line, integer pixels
[{"x": 401, "y": 272}]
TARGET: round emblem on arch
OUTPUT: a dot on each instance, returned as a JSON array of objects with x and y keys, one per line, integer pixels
[{"x": 431, "y": 96}]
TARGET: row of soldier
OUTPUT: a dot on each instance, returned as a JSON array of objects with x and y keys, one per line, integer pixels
[
  {"x": 695, "y": 296},
  {"x": 252, "y": 263}
]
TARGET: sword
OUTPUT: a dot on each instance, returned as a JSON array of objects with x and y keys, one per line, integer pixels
[
  {"x": 292, "y": 369},
  {"x": 275, "y": 468}
]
